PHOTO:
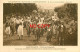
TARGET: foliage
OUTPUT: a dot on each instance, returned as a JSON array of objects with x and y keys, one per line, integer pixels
[
  {"x": 23, "y": 8},
  {"x": 67, "y": 10}
]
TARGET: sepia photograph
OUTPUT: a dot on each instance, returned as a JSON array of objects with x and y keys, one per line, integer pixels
[{"x": 40, "y": 24}]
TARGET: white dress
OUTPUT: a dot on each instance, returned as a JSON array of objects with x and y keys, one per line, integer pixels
[
  {"x": 20, "y": 30},
  {"x": 7, "y": 31}
]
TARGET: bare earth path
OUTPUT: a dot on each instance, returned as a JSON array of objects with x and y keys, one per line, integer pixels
[{"x": 28, "y": 41}]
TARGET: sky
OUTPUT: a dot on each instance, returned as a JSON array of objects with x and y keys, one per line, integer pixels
[{"x": 49, "y": 5}]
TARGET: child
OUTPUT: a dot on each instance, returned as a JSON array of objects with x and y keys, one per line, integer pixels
[
  {"x": 12, "y": 28},
  {"x": 7, "y": 31},
  {"x": 20, "y": 31},
  {"x": 49, "y": 34}
]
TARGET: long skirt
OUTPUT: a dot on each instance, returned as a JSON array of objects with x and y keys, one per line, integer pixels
[
  {"x": 7, "y": 31},
  {"x": 20, "y": 30}
]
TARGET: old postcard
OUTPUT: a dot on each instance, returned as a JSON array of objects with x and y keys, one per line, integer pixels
[{"x": 39, "y": 25}]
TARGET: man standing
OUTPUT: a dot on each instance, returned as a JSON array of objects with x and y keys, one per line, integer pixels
[{"x": 61, "y": 34}]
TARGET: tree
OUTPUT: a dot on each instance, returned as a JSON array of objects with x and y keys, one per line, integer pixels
[
  {"x": 18, "y": 8},
  {"x": 22, "y": 8},
  {"x": 68, "y": 10}
]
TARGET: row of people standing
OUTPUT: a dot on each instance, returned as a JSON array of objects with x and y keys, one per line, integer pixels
[
  {"x": 56, "y": 29},
  {"x": 14, "y": 25}
]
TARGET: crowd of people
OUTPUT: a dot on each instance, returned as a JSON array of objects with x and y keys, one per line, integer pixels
[{"x": 57, "y": 28}]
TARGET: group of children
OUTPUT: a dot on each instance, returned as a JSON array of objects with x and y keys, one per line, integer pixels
[{"x": 14, "y": 26}]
